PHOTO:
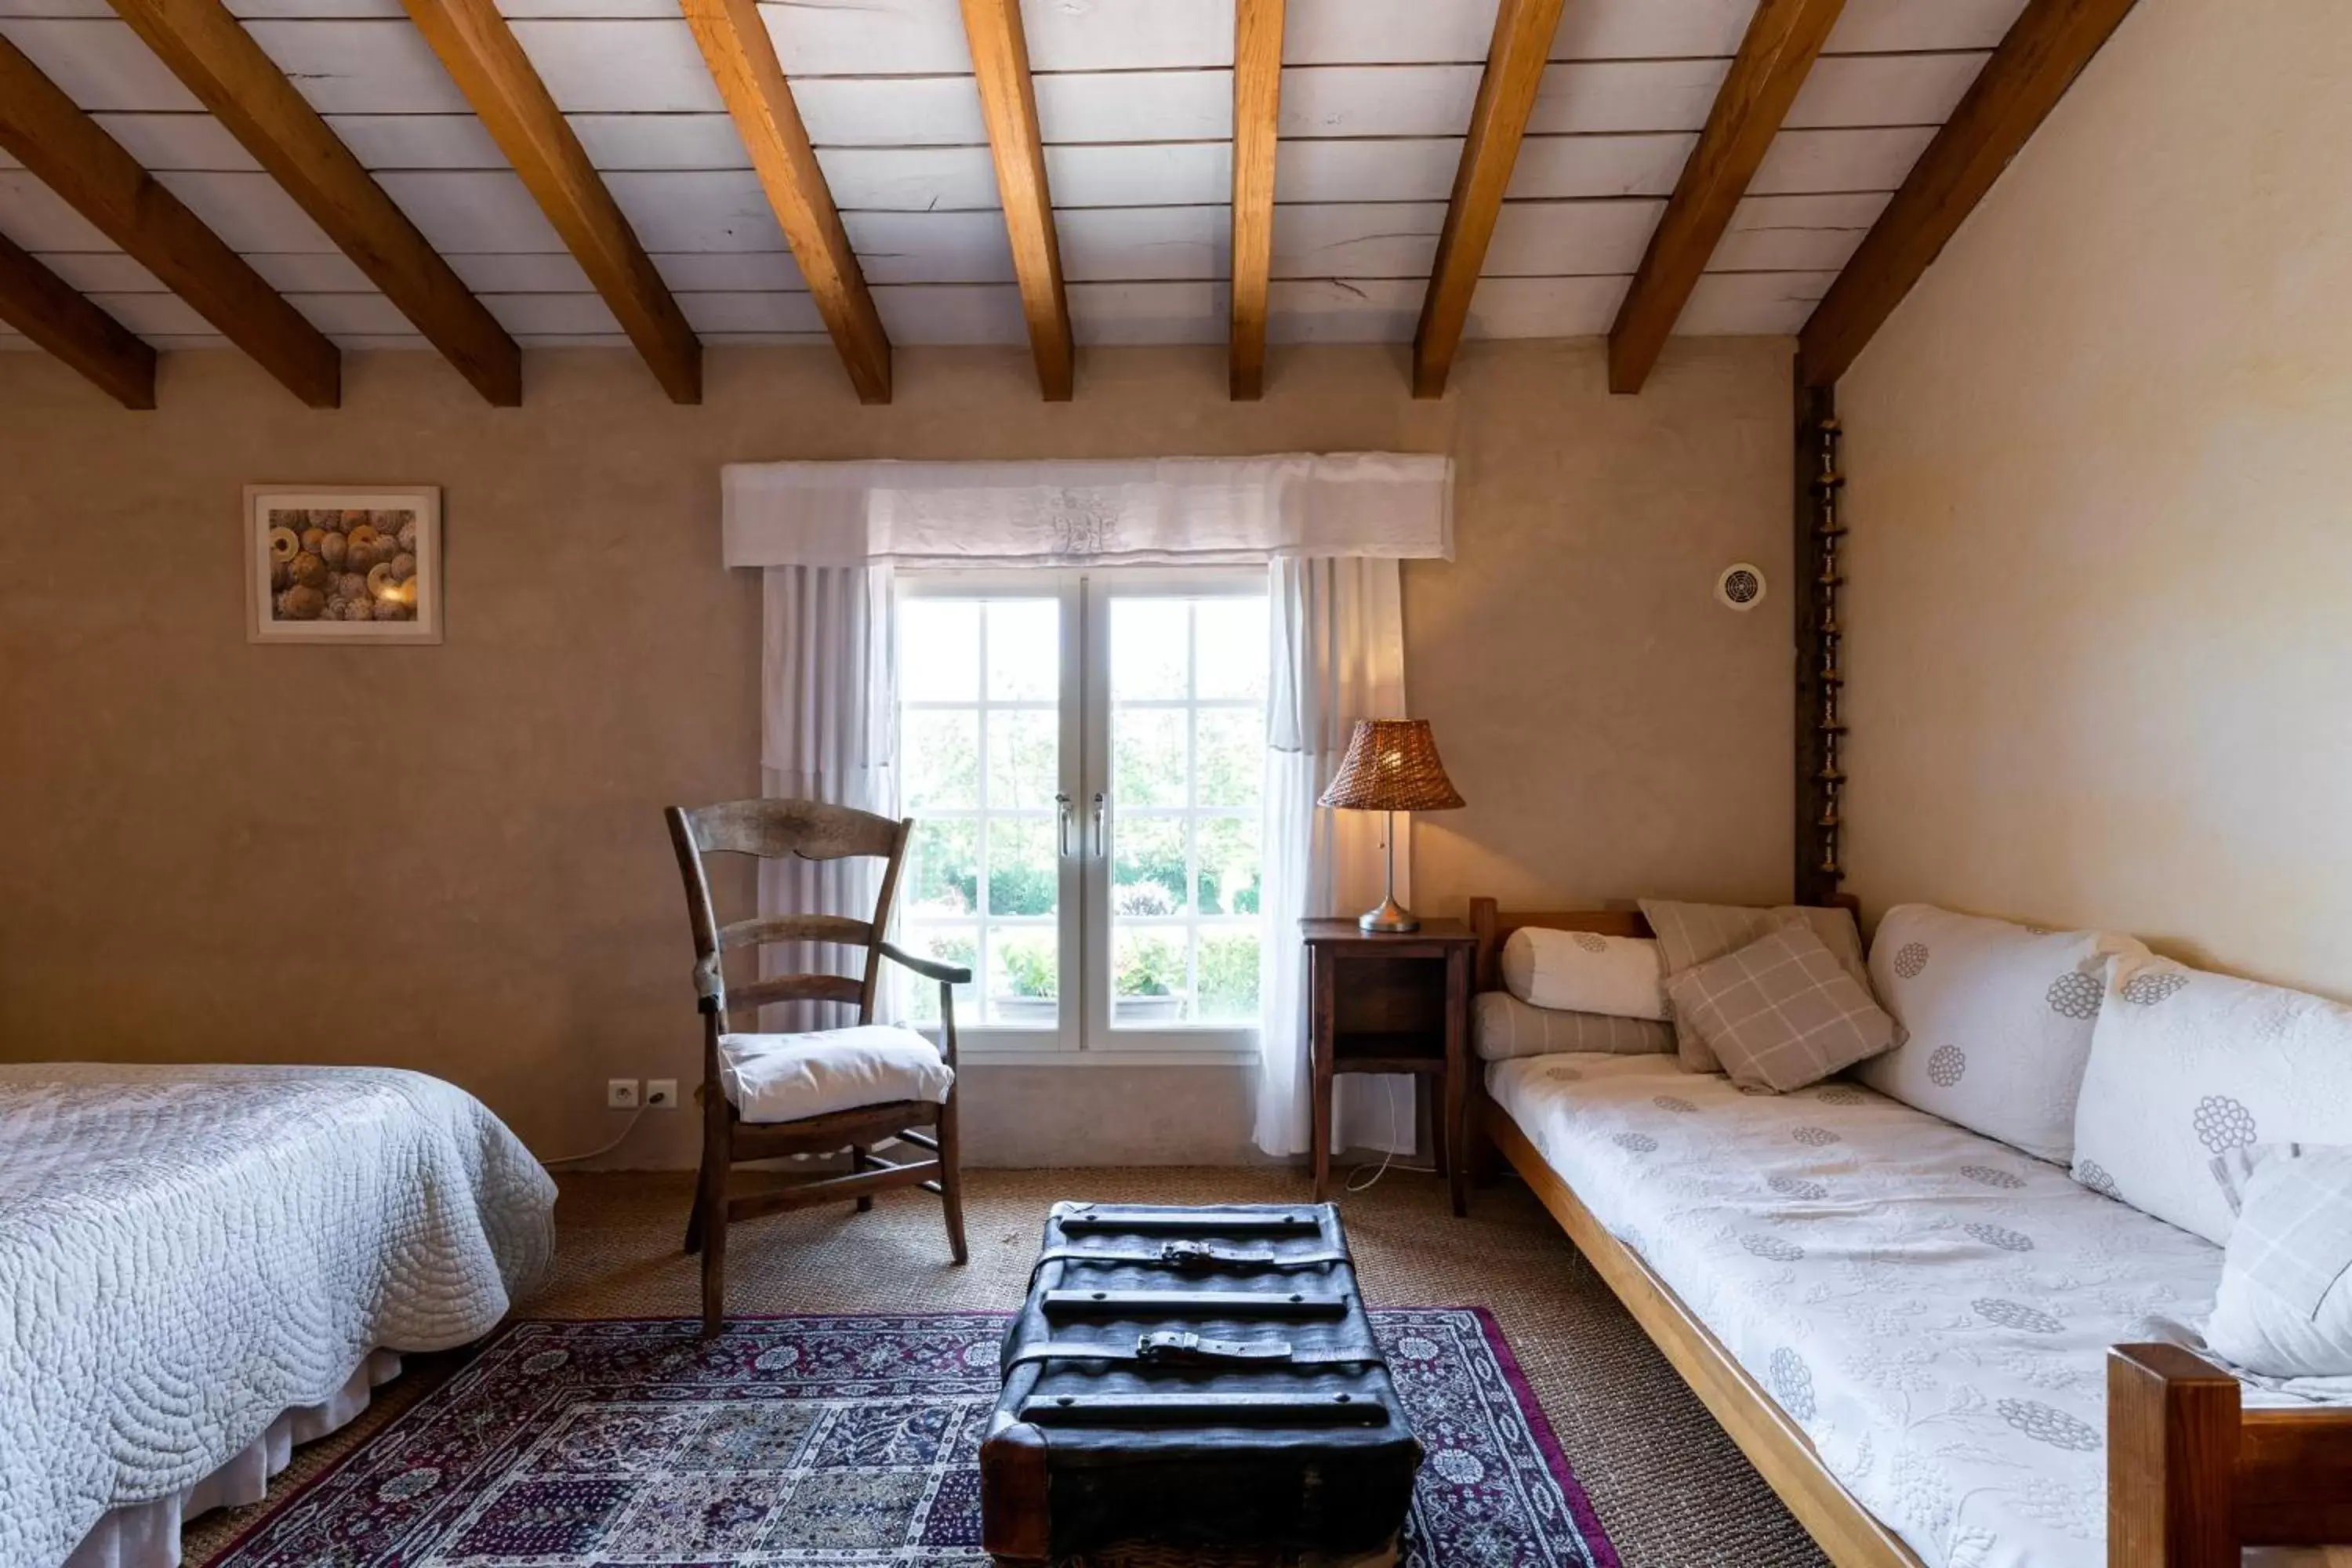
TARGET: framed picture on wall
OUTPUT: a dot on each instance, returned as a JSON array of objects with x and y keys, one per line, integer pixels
[{"x": 347, "y": 564}]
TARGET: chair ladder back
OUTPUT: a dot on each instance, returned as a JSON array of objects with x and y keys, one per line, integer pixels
[{"x": 881, "y": 925}]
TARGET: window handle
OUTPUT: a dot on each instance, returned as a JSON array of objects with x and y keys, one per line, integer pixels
[
  {"x": 1102, "y": 843},
  {"x": 1061, "y": 823}
]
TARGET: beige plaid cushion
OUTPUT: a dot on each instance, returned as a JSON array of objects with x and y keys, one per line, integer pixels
[
  {"x": 1782, "y": 1011},
  {"x": 1690, "y": 934}
]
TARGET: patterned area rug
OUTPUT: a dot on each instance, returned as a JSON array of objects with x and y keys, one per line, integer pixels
[{"x": 848, "y": 1441}]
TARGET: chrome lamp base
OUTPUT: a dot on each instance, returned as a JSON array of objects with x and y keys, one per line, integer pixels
[{"x": 1389, "y": 916}]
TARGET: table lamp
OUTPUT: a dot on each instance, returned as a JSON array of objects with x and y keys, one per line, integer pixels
[{"x": 1390, "y": 766}]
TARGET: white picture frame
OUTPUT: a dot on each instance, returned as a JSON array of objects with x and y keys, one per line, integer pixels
[{"x": 302, "y": 543}]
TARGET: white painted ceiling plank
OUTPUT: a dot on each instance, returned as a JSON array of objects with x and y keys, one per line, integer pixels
[
  {"x": 546, "y": 272},
  {"x": 1804, "y": 160},
  {"x": 1123, "y": 244},
  {"x": 1377, "y": 239},
  {"x": 894, "y": 111},
  {"x": 37, "y": 218},
  {"x": 250, "y": 212},
  {"x": 1796, "y": 233},
  {"x": 323, "y": 10},
  {"x": 742, "y": 272},
  {"x": 564, "y": 313},
  {"x": 953, "y": 314},
  {"x": 360, "y": 67},
  {"x": 717, "y": 211},
  {"x": 873, "y": 37},
  {"x": 54, "y": 10},
  {"x": 382, "y": 343},
  {"x": 1168, "y": 313},
  {"x": 1740, "y": 304},
  {"x": 471, "y": 210},
  {"x": 1623, "y": 96},
  {"x": 1157, "y": 174},
  {"x": 145, "y": 313},
  {"x": 94, "y": 273},
  {"x": 1127, "y": 35},
  {"x": 1883, "y": 89},
  {"x": 101, "y": 63},
  {"x": 332, "y": 273},
  {"x": 1328, "y": 311},
  {"x": 1545, "y": 307},
  {"x": 162, "y": 141},
  {"x": 1405, "y": 169},
  {"x": 417, "y": 141},
  {"x": 641, "y": 67},
  {"x": 1379, "y": 31},
  {"x": 655, "y": 142},
  {"x": 938, "y": 247},
  {"x": 911, "y": 179},
  {"x": 1886, "y": 25},
  {"x": 767, "y": 340},
  {"x": 1652, "y": 29},
  {"x": 336, "y": 314},
  {"x": 752, "y": 312},
  {"x": 1559, "y": 238}
]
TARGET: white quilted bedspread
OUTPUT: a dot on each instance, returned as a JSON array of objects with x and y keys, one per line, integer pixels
[
  {"x": 185, "y": 1252},
  {"x": 1933, "y": 1308}
]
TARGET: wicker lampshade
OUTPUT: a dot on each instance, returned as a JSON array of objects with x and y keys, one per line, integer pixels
[{"x": 1391, "y": 766}]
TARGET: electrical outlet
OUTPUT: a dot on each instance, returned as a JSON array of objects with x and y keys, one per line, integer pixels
[
  {"x": 621, "y": 1093},
  {"x": 661, "y": 1094}
]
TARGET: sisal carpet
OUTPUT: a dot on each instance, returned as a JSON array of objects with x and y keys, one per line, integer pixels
[
  {"x": 855, "y": 1437},
  {"x": 1669, "y": 1487}
]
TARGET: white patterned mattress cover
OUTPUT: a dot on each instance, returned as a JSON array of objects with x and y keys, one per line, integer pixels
[
  {"x": 185, "y": 1252},
  {"x": 1932, "y": 1306}
]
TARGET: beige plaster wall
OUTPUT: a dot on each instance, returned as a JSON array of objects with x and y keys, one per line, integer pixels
[
  {"x": 2101, "y": 500},
  {"x": 452, "y": 858}
]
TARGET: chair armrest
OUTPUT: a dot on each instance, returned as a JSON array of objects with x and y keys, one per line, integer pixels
[{"x": 945, "y": 974}]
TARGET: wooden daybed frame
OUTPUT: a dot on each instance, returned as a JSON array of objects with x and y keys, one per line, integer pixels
[{"x": 2191, "y": 1478}]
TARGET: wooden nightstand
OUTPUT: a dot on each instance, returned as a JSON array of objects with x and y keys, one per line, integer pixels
[{"x": 1400, "y": 1003}]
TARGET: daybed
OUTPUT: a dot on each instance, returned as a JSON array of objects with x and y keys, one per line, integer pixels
[
  {"x": 1906, "y": 1326},
  {"x": 202, "y": 1266}
]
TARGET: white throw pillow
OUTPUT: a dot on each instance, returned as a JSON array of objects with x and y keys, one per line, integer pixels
[
  {"x": 1584, "y": 972},
  {"x": 1996, "y": 1021},
  {"x": 2285, "y": 1303},
  {"x": 2186, "y": 1068},
  {"x": 783, "y": 1077}
]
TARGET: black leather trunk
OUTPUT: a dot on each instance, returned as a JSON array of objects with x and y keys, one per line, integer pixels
[{"x": 1218, "y": 1440}]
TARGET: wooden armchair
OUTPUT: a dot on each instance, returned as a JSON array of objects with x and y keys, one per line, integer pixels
[{"x": 815, "y": 1093}]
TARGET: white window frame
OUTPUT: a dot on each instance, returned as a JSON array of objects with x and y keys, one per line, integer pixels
[{"x": 1083, "y": 1036}]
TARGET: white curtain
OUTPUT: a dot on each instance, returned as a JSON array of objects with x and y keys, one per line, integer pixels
[
  {"x": 828, "y": 732},
  {"x": 1338, "y": 655}
]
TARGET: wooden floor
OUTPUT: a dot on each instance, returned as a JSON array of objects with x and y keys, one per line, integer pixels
[{"x": 1670, "y": 1488}]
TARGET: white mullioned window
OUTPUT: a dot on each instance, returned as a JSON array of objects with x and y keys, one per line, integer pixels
[{"x": 1082, "y": 752}]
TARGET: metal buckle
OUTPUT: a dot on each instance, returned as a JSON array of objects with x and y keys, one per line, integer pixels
[
  {"x": 1188, "y": 1257},
  {"x": 1166, "y": 1344}
]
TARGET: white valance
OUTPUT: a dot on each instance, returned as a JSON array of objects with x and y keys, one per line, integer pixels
[{"x": 1168, "y": 510}]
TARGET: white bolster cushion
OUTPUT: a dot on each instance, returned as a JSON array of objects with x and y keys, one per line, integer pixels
[
  {"x": 1584, "y": 972},
  {"x": 785, "y": 1078}
]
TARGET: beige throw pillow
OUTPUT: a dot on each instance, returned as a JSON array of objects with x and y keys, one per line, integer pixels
[
  {"x": 1690, "y": 934},
  {"x": 1502, "y": 1027},
  {"x": 1782, "y": 1013}
]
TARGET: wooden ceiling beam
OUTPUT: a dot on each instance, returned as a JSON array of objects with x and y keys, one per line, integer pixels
[
  {"x": 2045, "y": 48},
  {"x": 480, "y": 54},
  {"x": 45, "y": 309},
  {"x": 1257, "y": 111},
  {"x": 1506, "y": 95},
  {"x": 218, "y": 61},
  {"x": 1008, "y": 101},
  {"x": 1783, "y": 39},
  {"x": 742, "y": 60},
  {"x": 66, "y": 150}
]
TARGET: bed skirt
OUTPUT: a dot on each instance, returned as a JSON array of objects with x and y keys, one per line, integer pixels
[{"x": 147, "y": 1534}]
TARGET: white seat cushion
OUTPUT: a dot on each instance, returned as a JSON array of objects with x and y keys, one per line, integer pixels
[{"x": 788, "y": 1078}]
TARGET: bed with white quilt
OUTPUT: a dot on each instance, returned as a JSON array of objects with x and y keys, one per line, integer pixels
[{"x": 200, "y": 1266}]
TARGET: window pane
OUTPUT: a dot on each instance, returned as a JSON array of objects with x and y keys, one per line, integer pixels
[
  {"x": 1021, "y": 874},
  {"x": 1024, "y": 650},
  {"x": 1148, "y": 642},
  {"x": 1231, "y": 642},
  {"x": 1147, "y": 874},
  {"x": 1232, "y": 754},
  {"x": 942, "y": 873},
  {"x": 1023, "y": 976},
  {"x": 1228, "y": 974},
  {"x": 943, "y": 752},
  {"x": 1149, "y": 983},
  {"x": 939, "y": 650},
  {"x": 1023, "y": 758},
  {"x": 948, "y": 944},
  {"x": 1147, "y": 757},
  {"x": 1226, "y": 857}
]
